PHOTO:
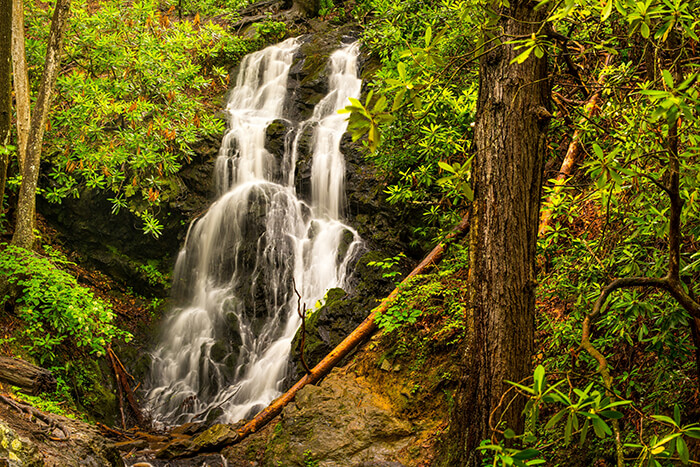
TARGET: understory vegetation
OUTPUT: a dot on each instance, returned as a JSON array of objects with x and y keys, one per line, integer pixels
[{"x": 616, "y": 375}]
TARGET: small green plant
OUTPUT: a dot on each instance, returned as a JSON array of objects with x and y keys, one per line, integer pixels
[
  {"x": 309, "y": 460},
  {"x": 153, "y": 275},
  {"x": 590, "y": 408},
  {"x": 326, "y": 6},
  {"x": 388, "y": 266},
  {"x": 55, "y": 309}
]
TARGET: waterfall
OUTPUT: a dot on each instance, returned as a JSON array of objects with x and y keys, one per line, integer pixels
[{"x": 226, "y": 346}]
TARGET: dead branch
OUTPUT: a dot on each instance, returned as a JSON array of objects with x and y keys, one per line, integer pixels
[
  {"x": 302, "y": 314},
  {"x": 26, "y": 376},
  {"x": 124, "y": 389},
  {"x": 572, "y": 153}
]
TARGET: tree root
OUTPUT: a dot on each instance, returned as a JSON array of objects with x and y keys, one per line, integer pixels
[{"x": 52, "y": 423}]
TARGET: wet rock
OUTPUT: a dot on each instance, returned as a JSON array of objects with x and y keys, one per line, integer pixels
[
  {"x": 340, "y": 314},
  {"x": 340, "y": 423},
  {"x": 277, "y": 138}
]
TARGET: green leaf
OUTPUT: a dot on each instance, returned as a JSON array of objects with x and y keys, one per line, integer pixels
[
  {"x": 523, "y": 56},
  {"x": 668, "y": 79},
  {"x": 598, "y": 151},
  {"x": 644, "y": 29},
  {"x": 555, "y": 419},
  {"x": 509, "y": 434},
  {"x": 468, "y": 192},
  {"x": 539, "y": 378},
  {"x": 683, "y": 451},
  {"x": 584, "y": 432},
  {"x": 528, "y": 453},
  {"x": 401, "y": 67},
  {"x": 607, "y": 9},
  {"x": 600, "y": 427},
  {"x": 613, "y": 414},
  {"x": 665, "y": 419},
  {"x": 446, "y": 167},
  {"x": 398, "y": 100}
]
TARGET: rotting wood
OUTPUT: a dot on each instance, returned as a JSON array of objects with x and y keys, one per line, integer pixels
[
  {"x": 26, "y": 376},
  {"x": 572, "y": 153},
  {"x": 358, "y": 336}
]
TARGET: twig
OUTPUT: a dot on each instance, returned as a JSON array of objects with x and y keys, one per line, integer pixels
[{"x": 301, "y": 310}]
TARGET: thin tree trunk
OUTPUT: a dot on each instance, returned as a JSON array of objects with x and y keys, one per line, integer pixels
[
  {"x": 26, "y": 205},
  {"x": 510, "y": 141},
  {"x": 20, "y": 80},
  {"x": 5, "y": 91}
]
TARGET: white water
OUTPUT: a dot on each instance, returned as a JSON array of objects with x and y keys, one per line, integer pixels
[{"x": 227, "y": 347}]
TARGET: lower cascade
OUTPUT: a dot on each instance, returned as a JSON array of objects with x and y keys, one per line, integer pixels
[{"x": 226, "y": 346}]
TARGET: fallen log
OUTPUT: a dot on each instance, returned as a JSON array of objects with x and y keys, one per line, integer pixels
[
  {"x": 26, "y": 376},
  {"x": 363, "y": 332}
]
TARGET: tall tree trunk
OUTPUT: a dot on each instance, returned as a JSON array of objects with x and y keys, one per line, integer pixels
[
  {"x": 510, "y": 142},
  {"x": 26, "y": 205},
  {"x": 20, "y": 80},
  {"x": 5, "y": 91}
]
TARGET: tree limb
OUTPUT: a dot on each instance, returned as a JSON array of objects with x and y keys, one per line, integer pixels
[{"x": 359, "y": 335}]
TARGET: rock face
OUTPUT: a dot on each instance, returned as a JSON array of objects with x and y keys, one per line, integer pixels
[
  {"x": 339, "y": 423},
  {"x": 115, "y": 243}
]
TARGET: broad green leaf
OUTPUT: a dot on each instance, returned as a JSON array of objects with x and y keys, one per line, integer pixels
[
  {"x": 668, "y": 79},
  {"x": 613, "y": 414},
  {"x": 526, "y": 454},
  {"x": 607, "y": 9},
  {"x": 665, "y": 419},
  {"x": 540, "y": 380},
  {"x": 445, "y": 166},
  {"x": 555, "y": 419}
]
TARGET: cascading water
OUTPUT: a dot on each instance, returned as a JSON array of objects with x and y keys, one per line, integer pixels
[{"x": 227, "y": 346}]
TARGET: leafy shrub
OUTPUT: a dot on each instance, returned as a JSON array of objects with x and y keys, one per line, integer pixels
[
  {"x": 135, "y": 96},
  {"x": 55, "y": 309}
]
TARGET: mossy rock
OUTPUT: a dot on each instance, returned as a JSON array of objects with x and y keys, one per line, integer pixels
[{"x": 17, "y": 451}]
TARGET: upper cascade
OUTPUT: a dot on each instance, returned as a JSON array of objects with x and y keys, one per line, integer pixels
[{"x": 258, "y": 249}]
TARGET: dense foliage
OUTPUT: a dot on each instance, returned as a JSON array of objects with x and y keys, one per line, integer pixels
[
  {"x": 56, "y": 310},
  {"x": 136, "y": 92},
  {"x": 610, "y": 221}
]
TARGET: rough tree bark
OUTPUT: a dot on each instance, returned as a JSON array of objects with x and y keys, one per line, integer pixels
[
  {"x": 26, "y": 204},
  {"x": 5, "y": 91},
  {"x": 510, "y": 141},
  {"x": 20, "y": 80}
]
